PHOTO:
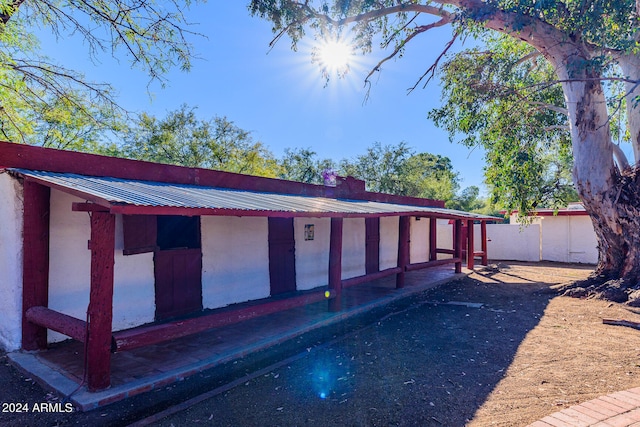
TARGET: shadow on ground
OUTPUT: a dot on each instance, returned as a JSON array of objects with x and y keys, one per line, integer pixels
[{"x": 431, "y": 359}]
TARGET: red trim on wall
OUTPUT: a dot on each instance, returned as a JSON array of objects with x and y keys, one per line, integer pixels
[
  {"x": 100, "y": 301},
  {"x": 153, "y": 334},
  {"x": 335, "y": 264},
  {"x": 47, "y": 159},
  {"x": 168, "y": 210},
  {"x": 483, "y": 240},
  {"x": 59, "y": 322},
  {"x": 429, "y": 264},
  {"x": 404, "y": 233},
  {"x": 470, "y": 244},
  {"x": 353, "y": 281},
  {"x": 35, "y": 261},
  {"x": 433, "y": 238},
  {"x": 457, "y": 244},
  {"x": 551, "y": 212}
]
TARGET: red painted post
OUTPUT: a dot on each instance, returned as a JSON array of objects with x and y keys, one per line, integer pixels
[
  {"x": 457, "y": 244},
  {"x": 35, "y": 261},
  {"x": 433, "y": 239},
  {"x": 335, "y": 265},
  {"x": 403, "y": 249},
  {"x": 483, "y": 238},
  {"x": 100, "y": 301},
  {"x": 470, "y": 245}
]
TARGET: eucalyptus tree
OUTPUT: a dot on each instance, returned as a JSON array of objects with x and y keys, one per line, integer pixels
[
  {"x": 497, "y": 96},
  {"x": 38, "y": 95},
  {"x": 585, "y": 42}
]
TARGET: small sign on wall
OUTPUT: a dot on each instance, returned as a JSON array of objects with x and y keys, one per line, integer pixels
[{"x": 308, "y": 232}]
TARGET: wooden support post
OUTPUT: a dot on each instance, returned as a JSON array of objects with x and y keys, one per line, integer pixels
[
  {"x": 35, "y": 261},
  {"x": 335, "y": 265},
  {"x": 483, "y": 238},
  {"x": 457, "y": 244},
  {"x": 470, "y": 245},
  {"x": 403, "y": 249},
  {"x": 433, "y": 239},
  {"x": 100, "y": 301}
]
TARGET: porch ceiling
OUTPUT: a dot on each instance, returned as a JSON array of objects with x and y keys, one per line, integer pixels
[{"x": 148, "y": 197}]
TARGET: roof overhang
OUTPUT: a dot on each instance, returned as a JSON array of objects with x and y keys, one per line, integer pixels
[{"x": 136, "y": 197}]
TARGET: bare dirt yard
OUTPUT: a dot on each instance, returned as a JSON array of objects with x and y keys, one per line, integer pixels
[{"x": 501, "y": 347}]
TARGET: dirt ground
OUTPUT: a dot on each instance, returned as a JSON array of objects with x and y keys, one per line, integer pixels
[{"x": 498, "y": 348}]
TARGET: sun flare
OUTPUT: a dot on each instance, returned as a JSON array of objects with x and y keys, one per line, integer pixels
[{"x": 335, "y": 56}]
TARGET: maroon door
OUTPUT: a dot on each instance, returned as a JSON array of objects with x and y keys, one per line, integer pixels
[
  {"x": 178, "y": 266},
  {"x": 178, "y": 275},
  {"x": 282, "y": 258},
  {"x": 372, "y": 245}
]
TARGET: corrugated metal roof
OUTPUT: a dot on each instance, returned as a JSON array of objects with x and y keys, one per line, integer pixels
[{"x": 127, "y": 192}]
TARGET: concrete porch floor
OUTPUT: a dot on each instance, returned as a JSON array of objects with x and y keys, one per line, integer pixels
[{"x": 136, "y": 371}]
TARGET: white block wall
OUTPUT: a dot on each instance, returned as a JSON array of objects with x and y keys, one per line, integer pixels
[
  {"x": 70, "y": 270},
  {"x": 133, "y": 289},
  {"x": 569, "y": 239},
  {"x": 552, "y": 238},
  {"x": 444, "y": 237},
  {"x": 235, "y": 260},
  {"x": 69, "y": 259},
  {"x": 312, "y": 256},
  {"x": 389, "y": 242},
  {"x": 583, "y": 245},
  {"x": 11, "y": 210},
  {"x": 512, "y": 242},
  {"x": 353, "y": 248},
  {"x": 419, "y": 247}
]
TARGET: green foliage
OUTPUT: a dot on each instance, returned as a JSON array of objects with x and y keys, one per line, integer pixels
[
  {"x": 396, "y": 169},
  {"x": 498, "y": 98},
  {"x": 301, "y": 164},
  {"x": 467, "y": 200},
  {"x": 603, "y": 23},
  {"x": 182, "y": 138},
  {"x": 47, "y": 104}
]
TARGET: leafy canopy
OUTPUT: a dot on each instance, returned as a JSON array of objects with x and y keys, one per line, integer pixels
[
  {"x": 498, "y": 97},
  {"x": 184, "y": 139},
  {"x": 44, "y": 103}
]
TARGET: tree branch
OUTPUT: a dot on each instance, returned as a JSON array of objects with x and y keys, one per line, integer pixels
[
  {"x": 417, "y": 30},
  {"x": 551, "y": 107}
]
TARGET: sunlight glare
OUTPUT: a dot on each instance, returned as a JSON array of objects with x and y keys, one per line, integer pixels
[{"x": 335, "y": 56}]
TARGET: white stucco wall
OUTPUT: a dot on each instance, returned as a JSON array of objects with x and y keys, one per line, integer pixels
[
  {"x": 444, "y": 237},
  {"x": 69, "y": 259},
  {"x": 312, "y": 256},
  {"x": 419, "y": 247},
  {"x": 353, "y": 248},
  {"x": 134, "y": 300},
  {"x": 512, "y": 242},
  {"x": 555, "y": 244},
  {"x": 583, "y": 245},
  {"x": 235, "y": 260},
  {"x": 70, "y": 270},
  {"x": 11, "y": 210},
  {"x": 389, "y": 231},
  {"x": 569, "y": 239}
]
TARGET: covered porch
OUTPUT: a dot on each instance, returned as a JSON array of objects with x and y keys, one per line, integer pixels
[
  {"x": 107, "y": 197},
  {"x": 139, "y": 370}
]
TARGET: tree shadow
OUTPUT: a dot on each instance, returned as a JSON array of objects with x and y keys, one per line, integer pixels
[{"x": 418, "y": 361}]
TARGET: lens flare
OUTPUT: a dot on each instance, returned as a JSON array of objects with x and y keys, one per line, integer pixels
[{"x": 334, "y": 56}]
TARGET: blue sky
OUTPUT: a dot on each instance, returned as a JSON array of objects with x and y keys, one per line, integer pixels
[{"x": 280, "y": 96}]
